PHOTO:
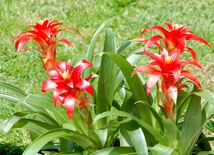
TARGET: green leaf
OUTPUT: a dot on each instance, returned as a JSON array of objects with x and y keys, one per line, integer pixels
[
  {"x": 20, "y": 102},
  {"x": 9, "y": 124},
  {"x": 16, "y": 121},
  {"x": 134, "y": 82},
  {"x": 2, "y": 125},
  {"x": 203, "y": 142},
  {"x": 182, "y": 103},
  {"x": 132, "y": 59},
  {"x": 205, "y": 139},
  {"x": 157, "y": 117},
  {"x": 96, "y": 138},
  {"x": 137, "y": 137},
  {"x": 15, "y": 99},
  {"x": 34, "y": 134},
  {"x": 49, "y": 152},
  {"x": 9, "y": 97},
  {"x": 210, "y": 125},
  {"x": 51, "y": 146},
  {"x": 192, "y": 125},
  {"x": 90, "y": 50},
  {"x": 78, "y": 59},
  {"x": 105, "y": 137},
  {"x": 164, "y": 150},
  {"x": 70, "y": 153},
  {"x": 96, "y": 66},
  {"x": 41, "y": 115},
  {"x": 171, "y": 133},
  {"x": 115, "y": 151},
  {"x": 12, "y": 88},
  {"x": 100, "y": 136},
  {"x": 57, "y": 112},
  {"x": 107, "y": 77},
  {"x": 155, "y": 133},
  {"x": 113, "y": 131},
  {"x": 31, "y": 124},
  {"x": 206, "y": 153},
  {"x": 205, "y": 94},
  {"x": 124, "y": 137},
  {"x": 39, "y": 142},
  {"x": 124, "y": 46},
  {"x": 116, "y": 105},
  {"x": 128, "y": 102},
  {"x": 79, "y": 122},
  {"x": 66, "y": 145},
  {"x": 209, "y": 108}
]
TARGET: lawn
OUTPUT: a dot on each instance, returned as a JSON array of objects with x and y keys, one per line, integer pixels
[{"x": 24, "y": 70}]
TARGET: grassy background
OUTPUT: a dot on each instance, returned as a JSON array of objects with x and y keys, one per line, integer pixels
[{"x": 24, "y": 70}]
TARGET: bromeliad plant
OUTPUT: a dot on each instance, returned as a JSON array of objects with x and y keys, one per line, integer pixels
[
  {"x": 171, "y": 68},
  {"x": 117, "y": 106}
]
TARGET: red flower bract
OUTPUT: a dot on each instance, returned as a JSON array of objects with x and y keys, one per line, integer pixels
[
  {"x": 43, "y": 36},
  {"x": 68, "y": 85},
  {"x": 169, "y": 66},
  {"x": 175, "y": 38}
]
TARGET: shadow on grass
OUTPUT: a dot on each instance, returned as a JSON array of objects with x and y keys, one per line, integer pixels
[{"x": 9, "y": 149}]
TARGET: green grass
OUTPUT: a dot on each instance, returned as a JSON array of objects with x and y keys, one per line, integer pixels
[{"x": 24, "y": 70}]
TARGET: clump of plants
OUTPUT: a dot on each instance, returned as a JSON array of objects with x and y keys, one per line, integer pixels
[{"x": 105, "y": 106}]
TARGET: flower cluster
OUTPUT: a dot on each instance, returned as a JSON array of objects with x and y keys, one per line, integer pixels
[
  {"x": 44, "y": 37},
  {"x": 67, "y": 84},
  {"x": 171, "y": 69}
]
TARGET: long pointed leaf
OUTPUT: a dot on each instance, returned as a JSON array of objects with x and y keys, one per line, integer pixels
[
  {"x": 15, "y": 99},
  {"x": 79, "y": 122},
  {"x": 124, "y": 46},
  {"x": 12, "y": 88},
  {"x": 155, "y": 133},
  {"x": 58, "y": 112},
  {"x": 171, "y": 133},
  {"x": 90, "y": 50},
  {"x": 38, "y": 143},
  {"x": 107, "y": 78},
  {"x": 209, "y": 108},
  {"x": 192, "y": 125},
  {"x": 154, "y": 114},
  {"x": 206, "y": 94},
  {"x": 115, "y": 151},
  {"x": 137, "y": 137},
  {"x": 132, "y": 59},
  {"x": 33, "y": 125},
  {"x": 134, "y": 82},
  {"x": 41, "y": 115},
  {"x": 66, "y": 145},
  {"x": 206, "y": 153},
  {"x": 164, "y": 150}
]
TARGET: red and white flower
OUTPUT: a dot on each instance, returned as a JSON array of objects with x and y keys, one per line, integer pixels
[{"x": 68, "y": 85}]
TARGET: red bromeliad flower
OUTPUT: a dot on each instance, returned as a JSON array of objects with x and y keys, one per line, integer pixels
[
  {"x": 43, "y": 36},
  {"x": 170, "y": 72},
  {"x": 175, "y": 38},
  {"x": 68, "y": 85},
  {"x": 170, "y": 67}
]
